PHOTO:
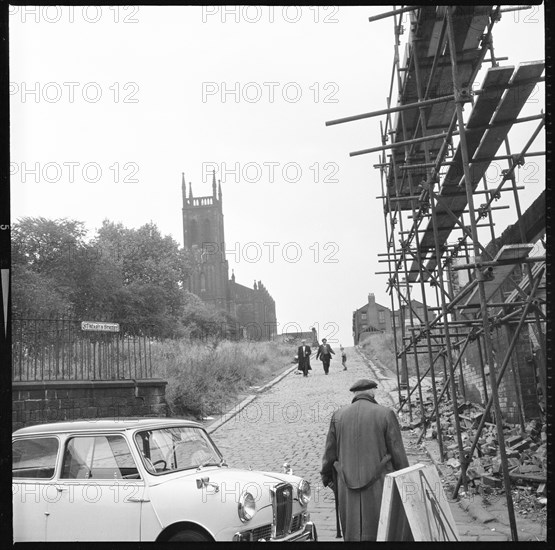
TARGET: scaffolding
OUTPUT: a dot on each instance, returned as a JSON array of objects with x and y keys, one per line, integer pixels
[{"x": 433, "y": 162}]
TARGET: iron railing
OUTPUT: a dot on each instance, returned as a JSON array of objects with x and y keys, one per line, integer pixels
[{"x": 58, "y": 349}]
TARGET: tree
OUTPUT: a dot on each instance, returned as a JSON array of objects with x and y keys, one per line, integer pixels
[
  {"x": 131, "y": 276},
  {"x": 36, "y": 295},
  {"x": 46, "y": 246},
  {"x": 152, "y": 268}
]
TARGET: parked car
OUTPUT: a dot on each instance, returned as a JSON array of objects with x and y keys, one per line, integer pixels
[{"x": 147, "y": 479}]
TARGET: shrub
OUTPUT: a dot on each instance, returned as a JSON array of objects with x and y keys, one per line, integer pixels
[{"x": 205, "y": 377}]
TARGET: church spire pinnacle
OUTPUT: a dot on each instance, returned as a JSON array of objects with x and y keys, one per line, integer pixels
[
  {"x": 214, "y": 184},
  {"x": 183, "y": 188},
  {"x": 190, "y": 192}
]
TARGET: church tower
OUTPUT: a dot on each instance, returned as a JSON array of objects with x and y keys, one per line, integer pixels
[{"x": 203, "y": 237}]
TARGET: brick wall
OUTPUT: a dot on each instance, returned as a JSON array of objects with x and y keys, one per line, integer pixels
[
  {"x": 524, "y": 382},
  {"x": 54, "y": 401},
  {"x": 521, "y": 362}
]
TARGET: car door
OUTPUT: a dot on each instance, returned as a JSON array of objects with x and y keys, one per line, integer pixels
[
  {"x": 100, "y": 491},
  {"x": 33, "y": 470}
]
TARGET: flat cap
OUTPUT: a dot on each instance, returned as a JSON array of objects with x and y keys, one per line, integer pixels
[{"x": 363, "y": 384}]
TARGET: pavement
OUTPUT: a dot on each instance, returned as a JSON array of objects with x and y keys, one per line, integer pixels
[{"x": 287, "y": 420}]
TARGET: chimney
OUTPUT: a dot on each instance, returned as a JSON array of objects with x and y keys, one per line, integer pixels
[{"x": 371, "y": 299}]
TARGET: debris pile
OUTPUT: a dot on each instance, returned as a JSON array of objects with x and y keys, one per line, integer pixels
[{"x": 526, "y": 452}]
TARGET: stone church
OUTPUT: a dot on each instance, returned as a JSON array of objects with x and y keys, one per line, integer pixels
[{"x": 203, "y": 236}]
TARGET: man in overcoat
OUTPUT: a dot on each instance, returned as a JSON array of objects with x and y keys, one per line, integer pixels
[
  {"x": 303, "y": 355},
  {"x": 363, "y": 444},
  {"x": 324, "y": 354}
]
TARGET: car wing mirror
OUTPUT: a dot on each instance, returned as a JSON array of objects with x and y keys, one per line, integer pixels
[{"x": 205, "y": 482}]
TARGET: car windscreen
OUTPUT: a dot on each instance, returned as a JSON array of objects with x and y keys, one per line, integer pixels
[{"x": 166, "y": 450}]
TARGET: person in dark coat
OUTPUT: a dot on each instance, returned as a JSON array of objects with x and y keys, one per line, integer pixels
[
  {"x": 303, "y": 355},
  {"x": 363, "y": 445},
  {"x": 324, "y": 354}
]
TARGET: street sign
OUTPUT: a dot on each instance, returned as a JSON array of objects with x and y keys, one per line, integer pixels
[{"x": 99, "y": 327}]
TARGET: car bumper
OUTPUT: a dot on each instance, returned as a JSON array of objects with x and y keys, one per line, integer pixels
[{"x": 308, "y": 534}]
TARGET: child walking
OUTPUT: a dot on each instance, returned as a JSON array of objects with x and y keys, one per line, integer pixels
[{"x": 343, "y": 357}]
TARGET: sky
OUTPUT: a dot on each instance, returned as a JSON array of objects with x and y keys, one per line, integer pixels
[{"x": 110, "y": 105}]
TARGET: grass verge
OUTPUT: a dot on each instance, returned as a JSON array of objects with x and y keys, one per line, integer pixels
[{"x": 205, "y": 378}]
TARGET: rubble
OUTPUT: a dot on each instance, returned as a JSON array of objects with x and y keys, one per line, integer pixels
[{"x": 526, "y": 452}]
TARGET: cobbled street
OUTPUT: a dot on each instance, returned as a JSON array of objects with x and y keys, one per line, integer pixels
[{"x": 289, "y": 421}]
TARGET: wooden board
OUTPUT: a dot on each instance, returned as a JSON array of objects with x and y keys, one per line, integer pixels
[{"x": 415, "y": 508}]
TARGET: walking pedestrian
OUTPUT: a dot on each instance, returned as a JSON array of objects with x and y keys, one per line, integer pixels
[
  {"x": 363, "y": 444},
  {"x": 303, "y": 355},
  {"x": 343, "y": 357},
  {"x": 324, "y": 354}
]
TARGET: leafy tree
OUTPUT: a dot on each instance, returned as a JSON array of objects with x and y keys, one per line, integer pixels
[
  {"x": 202, "y": 320},
  {"x": 132, "y": 276},
  {"x": 144, "y": 255},
  {"x": 46, "y": 246},
  {"x": 37, "y": 295}
]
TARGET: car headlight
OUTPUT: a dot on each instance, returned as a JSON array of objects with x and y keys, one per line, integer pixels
[
  {"x": 304, "y": 492},
  {"x": 246, "y": 507}
]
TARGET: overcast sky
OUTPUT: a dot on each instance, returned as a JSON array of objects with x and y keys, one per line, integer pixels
[{"x": 113, "y": 104}]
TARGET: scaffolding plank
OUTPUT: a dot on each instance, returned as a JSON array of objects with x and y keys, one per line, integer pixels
[
  {"x": 481, "y": 114},
  {"x": 469, "y": 24},
  {"x": 522, "y": 84},
  {"x": 512, "y": 101},
  {"x": 513, "y": 252}
]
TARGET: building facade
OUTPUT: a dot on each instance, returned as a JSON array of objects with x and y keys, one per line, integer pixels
[
  {"x": 371, "y": 317},
  {"x": 403, "y": 315},
  {"x": 204, "y": 239}
]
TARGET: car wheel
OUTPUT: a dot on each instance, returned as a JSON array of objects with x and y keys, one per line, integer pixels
[{"x": 188, "y": 536}]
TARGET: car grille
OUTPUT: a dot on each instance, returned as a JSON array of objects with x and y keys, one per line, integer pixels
[
  {"x": 262, "y": 532},
  {"x": 282, "y": 502},
  {"x": 296, "y": 523}
]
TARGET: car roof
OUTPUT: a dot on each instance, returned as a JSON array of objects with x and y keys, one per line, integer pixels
[{"x": 103, "y": 424}]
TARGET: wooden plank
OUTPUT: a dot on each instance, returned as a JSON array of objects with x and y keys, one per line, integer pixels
[
  {"x": 469, "y": 23},
  {"x": 512, "y": 101},
  {"x": 522, "y": 84},
  {"x": 393, "y": 523},
  {"x": 416, "y": 493}
]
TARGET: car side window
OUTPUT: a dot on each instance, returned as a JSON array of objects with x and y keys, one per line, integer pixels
[
  {"x": 34, "y": 458},
  {"x": 98, "y": 457}
]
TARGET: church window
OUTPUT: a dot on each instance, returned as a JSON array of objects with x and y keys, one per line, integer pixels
[
  {"x": 193, "y": 231},
  {"x": 207, "y": 232}
]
